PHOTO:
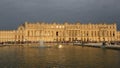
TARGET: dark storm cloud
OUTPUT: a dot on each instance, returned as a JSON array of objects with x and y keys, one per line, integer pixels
[{"x": 15, "y": 12}]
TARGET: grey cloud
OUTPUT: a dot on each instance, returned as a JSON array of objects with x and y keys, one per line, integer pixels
[{"x": 16, "y": 12}]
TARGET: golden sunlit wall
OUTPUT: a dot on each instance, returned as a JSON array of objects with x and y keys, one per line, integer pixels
[
  {"x": 118, "y": 36},
  {"x": 6, "y": 36},
  {"x": 62, "y": 32}
]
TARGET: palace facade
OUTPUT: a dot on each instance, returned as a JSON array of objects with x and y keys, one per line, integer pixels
[{"x": 53, "y": 32}]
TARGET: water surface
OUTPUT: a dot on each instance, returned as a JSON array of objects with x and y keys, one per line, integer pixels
[{"x": 66, "y": 57}]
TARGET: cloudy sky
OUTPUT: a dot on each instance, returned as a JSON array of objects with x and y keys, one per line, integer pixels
[{"x": 16, "y": 12}]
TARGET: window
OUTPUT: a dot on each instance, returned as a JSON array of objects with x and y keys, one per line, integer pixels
[
  {"x": 113, "y": 34},
  {"x": 56, "y": 26},
  {"x": 56, "y": 33},
  {"x": 28, "y": 33}
]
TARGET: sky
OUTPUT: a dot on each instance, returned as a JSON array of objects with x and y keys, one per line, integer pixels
[{"x": 15, "y": 12}]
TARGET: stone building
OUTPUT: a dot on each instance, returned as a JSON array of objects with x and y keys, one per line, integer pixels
[
  {"x": 6, "y": 36},
  {"x": 52, "y": 32},
  {"x": 118, "y": 35}
]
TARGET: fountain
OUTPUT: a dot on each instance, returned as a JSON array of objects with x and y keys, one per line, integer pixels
[
  {"x": 41, "y": 45},
  {"x": 60, "y": 46}
]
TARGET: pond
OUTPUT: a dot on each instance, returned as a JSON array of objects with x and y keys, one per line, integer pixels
[{"x": 67, "y": 57}]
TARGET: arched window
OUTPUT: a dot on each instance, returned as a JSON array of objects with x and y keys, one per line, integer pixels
[
  {"x": 113, "y": 34},
  {"x": 56, "y": 33},
  {"x": 28, "y": 33}
]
